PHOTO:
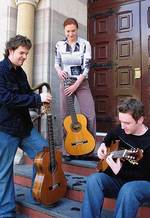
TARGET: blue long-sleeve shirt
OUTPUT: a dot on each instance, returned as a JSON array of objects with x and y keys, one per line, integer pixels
[{"x": 16, "y": 97}]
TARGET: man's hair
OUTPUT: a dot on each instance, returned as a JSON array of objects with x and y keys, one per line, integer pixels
[
  {"x": 133, "y": 107},
  {"x": 15, "y": 42},
  {"x": 70, "y": 21}
]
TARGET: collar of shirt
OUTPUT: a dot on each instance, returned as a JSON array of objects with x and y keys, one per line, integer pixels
[
  {"x": 11, "y": 66},
  {"x": 69, "y": 47}
]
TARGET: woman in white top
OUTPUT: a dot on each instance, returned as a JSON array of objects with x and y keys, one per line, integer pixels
[{"x": 72, "y": 59}]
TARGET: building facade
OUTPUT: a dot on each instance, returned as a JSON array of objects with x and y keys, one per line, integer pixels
[{"x": 42, "y": 22}]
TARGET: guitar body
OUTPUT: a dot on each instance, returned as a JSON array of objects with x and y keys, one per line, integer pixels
[
  {"x": 102, "y": 164},
  {"x": 133, "y": 155},
  {"x": 78, "y": 141},
  {"x": 49, "y": 186}
]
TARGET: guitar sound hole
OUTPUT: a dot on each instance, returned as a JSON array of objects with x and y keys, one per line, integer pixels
[
  {"x": 79, "y": 142},
  {"x": 54, "y": 186},
  {"x": 76, "y": 127}
]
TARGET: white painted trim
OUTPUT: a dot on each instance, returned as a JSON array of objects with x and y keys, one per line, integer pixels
[{"x": 101, "y": 133}]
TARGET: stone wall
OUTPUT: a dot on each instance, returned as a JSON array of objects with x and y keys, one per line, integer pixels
[{"x": 49, "y": 18}]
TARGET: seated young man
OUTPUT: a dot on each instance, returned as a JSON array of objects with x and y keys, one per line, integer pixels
[{"x": 128, "y": 183}]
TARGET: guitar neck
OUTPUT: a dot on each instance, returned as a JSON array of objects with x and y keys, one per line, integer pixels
[
  {"x": 118, "y": 154},
  {"x": 51, "y": 142},
  {"x": 70, "y": 103}
]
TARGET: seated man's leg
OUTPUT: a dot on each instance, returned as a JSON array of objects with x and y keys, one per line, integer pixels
[
  {"x": 99, "y": 185},
  {"x": 131, "y": 196}
]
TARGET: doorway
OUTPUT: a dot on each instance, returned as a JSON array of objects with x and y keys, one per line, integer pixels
[{"x": 119, "y": 33}]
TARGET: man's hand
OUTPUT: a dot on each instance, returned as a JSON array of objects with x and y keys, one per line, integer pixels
[
  {"x": 114, "y": 165},
  {"x": 102, "y": 151},
  {"x": 46, "y": 97}
]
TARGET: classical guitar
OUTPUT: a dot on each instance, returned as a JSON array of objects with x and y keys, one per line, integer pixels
[
  {"x": 78, "y": 140},
  {"x": 132, "y": 155},
  {"x": 50, "y": 183}
]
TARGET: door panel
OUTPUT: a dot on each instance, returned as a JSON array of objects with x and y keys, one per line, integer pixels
[
  {"x": 114, "y": 33},
  {"x": 145, "y": 45}
]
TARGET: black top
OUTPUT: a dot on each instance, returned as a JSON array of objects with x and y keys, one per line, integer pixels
[
  {"x": 129, "y": 171},
  {"x": 16, "y": 97}
]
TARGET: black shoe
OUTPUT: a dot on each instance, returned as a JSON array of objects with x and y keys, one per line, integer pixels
[{"x": 67, "y": 157}]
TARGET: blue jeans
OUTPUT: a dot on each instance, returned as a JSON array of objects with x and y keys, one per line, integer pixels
[
  {"x": 8, "y": 147},
  {"x": 130, "y": 196}
]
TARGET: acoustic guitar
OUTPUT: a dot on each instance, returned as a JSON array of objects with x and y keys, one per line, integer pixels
[
  {"x": 132, "y": 155},
  {"x": 50, "y": 183},
  {"x": 78, "y": 140}
]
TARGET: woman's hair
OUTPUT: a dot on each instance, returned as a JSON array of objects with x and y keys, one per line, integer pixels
[
  {"x": 69, "y": 21},
  {"x": 133, "y": 107},
  {"x": 15, "y": 42}
]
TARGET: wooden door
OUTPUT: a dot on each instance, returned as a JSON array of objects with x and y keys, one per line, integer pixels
[
  {"x": 115, "y": 33},
  {"x": 145, "y": 47}
]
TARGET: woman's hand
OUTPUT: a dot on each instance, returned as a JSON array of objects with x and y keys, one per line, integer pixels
[
  {"x": 71, "y": 89},
  {"x": 102, "y": 151},
  {"x": 62, "y": 74},
  {"x": 114, "y": 165}
]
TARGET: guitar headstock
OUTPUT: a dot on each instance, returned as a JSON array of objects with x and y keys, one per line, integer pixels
[
  {"x": 133, "y": 155},
  {"x": 46, "y": 109}
]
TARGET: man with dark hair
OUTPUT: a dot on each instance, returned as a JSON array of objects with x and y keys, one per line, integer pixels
[
  {"x": 15, "y": 42},
  {"x": 16, "y": 128},
  {"x": 128, "y": 182}
]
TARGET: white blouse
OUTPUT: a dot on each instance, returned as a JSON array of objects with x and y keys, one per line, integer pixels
[{"x": 74, "y": 59}]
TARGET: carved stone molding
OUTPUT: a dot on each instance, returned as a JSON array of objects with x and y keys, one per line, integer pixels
[{"x": 32, "y": 2}]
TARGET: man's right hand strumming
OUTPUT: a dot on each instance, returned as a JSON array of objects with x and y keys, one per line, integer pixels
[{"x": 102, "y": 151}]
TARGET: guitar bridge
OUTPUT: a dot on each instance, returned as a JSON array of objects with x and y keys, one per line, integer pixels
[{"x": 79, "y": 142}]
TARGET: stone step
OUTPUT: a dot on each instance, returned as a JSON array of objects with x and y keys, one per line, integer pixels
[
  {"x": 81, "y": 165},
  {"x": 65, "y": 208},
  {"x": 75, "y": 183},
  {"x": 75, "y": 191},
  {"x": 19, "y": 215}
]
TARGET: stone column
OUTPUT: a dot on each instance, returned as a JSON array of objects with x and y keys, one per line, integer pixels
[{"x": 25, "y": 26}]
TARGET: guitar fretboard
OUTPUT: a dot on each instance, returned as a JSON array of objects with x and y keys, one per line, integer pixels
[
  {"x": 70, "y": 103},
  {"x": 118, "y": 154},
  {"x": 51, "y": 142},
  {"x": 71, "y": 109}
]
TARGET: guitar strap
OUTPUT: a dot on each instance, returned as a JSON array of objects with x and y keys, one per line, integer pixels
[{"x": 126, "y": 143}]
